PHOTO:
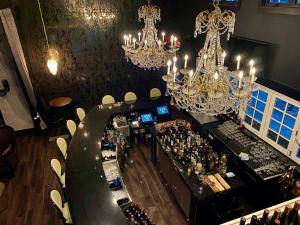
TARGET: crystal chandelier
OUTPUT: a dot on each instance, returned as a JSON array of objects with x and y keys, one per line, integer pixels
[
  {"x": 148, "y": 52},
  {"x": 94, "y": 13},
  {"x": 211, "y": 88}
]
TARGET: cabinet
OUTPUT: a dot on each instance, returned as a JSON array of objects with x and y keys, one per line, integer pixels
[{"x": 175, "y": 182}]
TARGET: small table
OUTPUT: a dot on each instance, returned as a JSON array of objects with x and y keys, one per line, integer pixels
[{"x": 60, "y": 102}]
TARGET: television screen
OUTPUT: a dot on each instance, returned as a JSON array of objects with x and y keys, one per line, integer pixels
[
  {"x": 147, "y": 118},
  {"x": 162, "y": 110}
]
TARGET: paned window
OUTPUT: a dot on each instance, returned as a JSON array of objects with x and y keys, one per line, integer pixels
[
  {"x": 279, "y": 1},
  {"x": 282, "y": 122},
  {"x": 256, "y": 108}
]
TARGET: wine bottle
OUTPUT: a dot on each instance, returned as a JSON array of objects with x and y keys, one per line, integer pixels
[
  {"x": 284, "y": 219},
  {"x": 243, "y": 221},
  {"x": 276, "y": 216},
  {"x": 254, "y": 220},
  {"x": 294, "y": 217},
  {"x": 264, "y": 218}
]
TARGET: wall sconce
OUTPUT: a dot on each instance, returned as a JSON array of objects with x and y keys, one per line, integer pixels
[{"x": 6, "y": 88}]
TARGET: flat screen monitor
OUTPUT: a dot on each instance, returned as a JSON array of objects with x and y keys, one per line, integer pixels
[
  {"x": 147, "y": 118},
  {"x": 162, "y": 110}
]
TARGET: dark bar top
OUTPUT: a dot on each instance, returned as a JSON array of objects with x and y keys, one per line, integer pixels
[{"x": 89, "y": 197}]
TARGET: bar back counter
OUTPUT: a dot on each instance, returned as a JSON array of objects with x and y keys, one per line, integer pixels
[{"x": 89, "y": 197}]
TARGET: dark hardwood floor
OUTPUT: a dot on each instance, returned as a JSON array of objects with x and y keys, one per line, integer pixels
[
  {"x": 26, "y": 198},
  {"x": 146, "y": 188}
]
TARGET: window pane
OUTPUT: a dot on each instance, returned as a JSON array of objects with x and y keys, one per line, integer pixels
[
  {"x": 231, "y": 0},
  {"x": 274, "y": 125},
  {"x": 252, "y": 102},
  {"x": 258, "y": 116},
  {"x": 289, "y": 121},
  {"x": 248, "y": 120},
  {"x": 277, "y": 115},
  {"x": 250, "y": 111},
  {"x": 272, "y": 135},
  {"x": 256, "y": 125},
  {"x": 263, "y": 96},
  {"x": 280, "y": 104},
  {"x": 260, "y": 106},
  {"x": 298, "y": 2},
  {"x": 286, "y": 132},
  {"x": 292, "y": 110},
  {"x": 298, "y": 153},
  {"x": 254, "y": 93},
  {"x": 284, "y": 143},
  {"x": 279, "y": 1}
]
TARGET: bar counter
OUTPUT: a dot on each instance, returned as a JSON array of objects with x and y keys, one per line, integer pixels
[{"x": 89, "y": 197}]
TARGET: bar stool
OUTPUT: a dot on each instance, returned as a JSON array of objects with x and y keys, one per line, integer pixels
[
  {"x": 80, "y": 113},
  {"x": 62, "y": 145},
  {"x": 155, "y": 93},
  {"x": 130, "y": 97},
  {"x": 108, "y": 100},
  {"x": 56, "y": 167},
  {"x": 63, "y": 208},
  {"x": 71, "y": 125}
]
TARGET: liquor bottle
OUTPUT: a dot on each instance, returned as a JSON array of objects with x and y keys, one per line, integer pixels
[
  {"x": 284, "y": 219},
  {"x": 264, "y": 218},
  {"x": 294, "y": 217},
  {"x": 254, "y": 220},
  {"x": 276, "y": 222},
  {"x": 243, "y": 221},
  {"x": 276, "y": 216}
]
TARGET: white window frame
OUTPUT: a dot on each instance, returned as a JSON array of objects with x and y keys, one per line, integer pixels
[{"x": 292, "y": 148}]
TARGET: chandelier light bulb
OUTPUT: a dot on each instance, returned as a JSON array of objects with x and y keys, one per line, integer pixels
[
  {"x": 241, "y": 75},
  {"x": 163, "y": 36},
  {"x": 216, "y": 75},
  {"x": 238, "y": 59},
  {"x": 139, "y": 34},
  {"x": 186, "y": 57},
  {"x": 169, "y": 66},
  {"x": 134, "y": 41},
  {"x": 52, "y": 66},
  {"x": 223, "y": 58},
  {"x": 191, "y": 76},
  {"x": 146, "y": 42},
  {"x": 159, "y": 43},
  {"x": 125, "y": 39},
  {"x": 251, "y": 63}
]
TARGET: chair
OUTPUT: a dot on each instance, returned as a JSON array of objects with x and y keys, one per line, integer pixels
[
  {"x": 63, "y": 208},
  {"x": 62, "y": 145},
  {"x": 56, "y": 167},
  {"x": 71, "y": 125},
  {"x": 108, "y": 100},
  {"x": 80, "y": 113},
  {"x": 130, "y": 97},
  {"x": 155, "y": 93}
]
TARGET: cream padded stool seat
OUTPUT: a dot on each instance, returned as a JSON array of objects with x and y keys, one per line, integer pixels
[
  {"x": 130, "y": 97},
  {"x": 62, "y": 145},
  {"x": 63, "y": 208},
  {"x": 71, "y": 125},
  {"x": 108, "y": 100},
  {"x": 155, "y": 93},
  {"x": 80, "y": 113},
  {"x": 56, "y": 167}
]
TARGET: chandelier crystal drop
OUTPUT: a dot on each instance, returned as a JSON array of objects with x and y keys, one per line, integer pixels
[
  {"x": 147, "y": 51},
  {"x": 211, "y": 88}
]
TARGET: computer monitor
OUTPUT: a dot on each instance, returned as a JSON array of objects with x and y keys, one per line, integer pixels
[
  {"x": 147, "y": 118},
  {"x": 162, "y": 110}
]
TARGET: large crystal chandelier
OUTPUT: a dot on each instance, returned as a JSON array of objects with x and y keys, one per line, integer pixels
[
  {"x": 211, "y": 88},
  {"x": 148, "y": 51},
  {"x": 93, "y": 13}
]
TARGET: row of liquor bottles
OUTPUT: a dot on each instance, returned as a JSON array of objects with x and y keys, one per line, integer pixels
[
  {"x": 193, "y": 152},
  {"x": 290, "y": 216},
  {"x": 137, "y": 216}
]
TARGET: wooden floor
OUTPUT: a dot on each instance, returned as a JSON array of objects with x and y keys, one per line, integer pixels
[
  {"x": 146, "y": 188},
  {"x": 26, "y": 197}
]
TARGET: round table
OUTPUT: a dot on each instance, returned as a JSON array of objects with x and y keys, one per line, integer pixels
[{"x": 60, "y": 102}]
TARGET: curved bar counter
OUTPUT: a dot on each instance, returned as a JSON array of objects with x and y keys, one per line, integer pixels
[{"x": 89, "y": 197}]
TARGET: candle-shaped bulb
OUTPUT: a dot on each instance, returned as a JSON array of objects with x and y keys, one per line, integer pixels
[
  {"x": 224, "y": 54},
  {"x": 205, "y": 56},
  {"x": 163, "y": 36},
  {"x": 223, "y": 58},
  {"x": 175, "y": 59},
  {"x": 186, "y": 57},
  {"x": 253, "y": 75},
  {"x": 251, "y": 63},
  {"x": 191, "y": 73},
  {"x": 169, "y": 66},
  {"x": 146, "y": 42},
  {"x": 139, "y": 34},
  {"x": 241, "y": 74},
  {"x": 134, "y": 40},
  {"x": 172, "y": 40},
  {"x": 125, "y": 39},
  {"x": 216, "y": 76},
  {"x": 238, "y": 59},
  {"x": 159, "y": 43}
]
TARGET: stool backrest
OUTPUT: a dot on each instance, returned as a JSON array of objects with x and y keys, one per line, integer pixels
[
  {"x": 62, "y": 145},
  {"x": 130, "y": 96},
  {"x": 108, "y": 99},
  {"x": 56, "y": 199},
  {"x": 80, "y": 113},
  {"x": 155, "y": 93},
  {"x": 71, "y": 125}
]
